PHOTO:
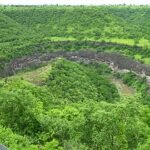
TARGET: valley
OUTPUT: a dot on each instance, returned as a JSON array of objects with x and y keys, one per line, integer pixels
[{"x": 75, "y": 77}]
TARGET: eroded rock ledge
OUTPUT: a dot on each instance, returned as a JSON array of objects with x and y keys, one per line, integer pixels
[{"x": 116, "y": 61}]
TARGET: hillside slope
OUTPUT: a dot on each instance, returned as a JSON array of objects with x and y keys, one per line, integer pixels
[
  {"x": 63, "y": 85},
  {"x": 85, "y": 22},
  {"x": 75, "y": 106},
  {"x": 13, "y": 36},
  {"x": 29, "y": 30}
]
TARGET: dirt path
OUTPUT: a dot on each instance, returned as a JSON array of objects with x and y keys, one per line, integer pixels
[{"x": 123, "y": 89}]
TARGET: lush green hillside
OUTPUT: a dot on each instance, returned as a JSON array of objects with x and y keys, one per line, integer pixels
[
  {"x": 25, "y": 106},
  {"x": 76, "y": 106},
  {"x": 85, "y": 22},
  {"x": 25, "y": 28},
  {"x": 13, "y": 36},
  {"x": 71, "y": 75},
  {"x": 66, "y": 105}
]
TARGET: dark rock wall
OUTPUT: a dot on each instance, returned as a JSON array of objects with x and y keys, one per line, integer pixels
[{"x": 115, "y": 60}]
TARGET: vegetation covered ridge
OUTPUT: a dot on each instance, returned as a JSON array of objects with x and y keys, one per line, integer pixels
[
  {"x": 75, "y": 77},
  {"x": 76, "y": 107},
  {"x": 123, "y": 25},
  {"x": 108, "y": 22}
]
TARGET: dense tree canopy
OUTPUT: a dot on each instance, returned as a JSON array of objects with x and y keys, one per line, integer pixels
[
  {"x": 66, "y": 105},
  {"x": 26, "y": 30}
]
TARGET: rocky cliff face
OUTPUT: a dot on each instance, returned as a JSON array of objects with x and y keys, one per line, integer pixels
[{"x": 116, "y": 61}]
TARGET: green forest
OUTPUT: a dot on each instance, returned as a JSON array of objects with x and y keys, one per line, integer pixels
[{"x": 63, "y": 104}]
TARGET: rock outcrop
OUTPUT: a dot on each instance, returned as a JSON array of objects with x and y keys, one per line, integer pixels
[{"x": 115, "y": 61}]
